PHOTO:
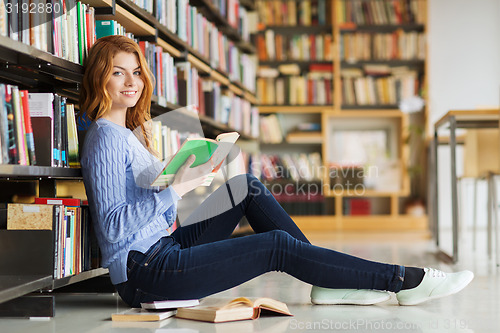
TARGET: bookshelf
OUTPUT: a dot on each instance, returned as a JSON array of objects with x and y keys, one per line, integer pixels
[
  {"x": 378, "y": 47},
  {"x": 27, "y": 257}
]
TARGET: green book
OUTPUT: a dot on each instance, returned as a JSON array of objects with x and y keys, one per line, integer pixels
[
  {"x": 104, "y": 28},
  {"x": 204, "y": 150},
  {"x": 81, "y": 31}
]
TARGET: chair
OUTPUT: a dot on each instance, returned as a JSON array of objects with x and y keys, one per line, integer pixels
[{"x": 482, "y": 162}]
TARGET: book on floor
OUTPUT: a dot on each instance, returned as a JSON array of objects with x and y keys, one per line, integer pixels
[
  {"x": 170, "y": 304},
  {"x": 242, "y": 308},
  {"x": 204, "y": 149},
  {"x": 138, "y": 314}
]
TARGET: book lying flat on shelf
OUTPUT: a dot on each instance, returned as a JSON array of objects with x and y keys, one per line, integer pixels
[
  {"x": 171, "y": 304},
  {"x": 204, "y": 150},
  {"x": 136, "y": 314},
  {"x": 242, "y": 308}
]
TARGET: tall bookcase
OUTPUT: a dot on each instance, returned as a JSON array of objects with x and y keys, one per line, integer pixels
[
  {"x": 378, "y": 47},
  {"x": 27, "y": 256}
]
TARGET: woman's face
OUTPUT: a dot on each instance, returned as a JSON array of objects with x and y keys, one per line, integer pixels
[{"x": 125, "y": 84}]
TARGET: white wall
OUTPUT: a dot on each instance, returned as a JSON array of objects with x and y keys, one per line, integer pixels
[
  {"x": 463, "y": 70},
  {"x": 463, "y": 55}
]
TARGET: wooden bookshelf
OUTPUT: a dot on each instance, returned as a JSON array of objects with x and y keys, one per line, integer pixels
[
  {"x": 27, "y": 257},
  {"x": 395, "y": 219}
]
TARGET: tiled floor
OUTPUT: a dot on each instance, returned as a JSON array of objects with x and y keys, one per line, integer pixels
[{"x": 475, "y": 309}]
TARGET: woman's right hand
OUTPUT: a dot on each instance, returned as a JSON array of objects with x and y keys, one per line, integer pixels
[{"x": 187, "y": 178}]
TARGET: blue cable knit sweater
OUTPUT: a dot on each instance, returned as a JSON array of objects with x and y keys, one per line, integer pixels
[{"x": 127, "y": 214}]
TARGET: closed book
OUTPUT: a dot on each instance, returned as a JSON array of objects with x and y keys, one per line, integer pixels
[
  {"x": 42, "y": 115},
  {"x": 11, "y": 126},
  {"x": 135, "y": 314},
  {"x": 4, "y": 127},
  {"x": 73, "y": 152},
  {"x": 104, "y": 28},
  {"x": 30, "y": 143},
  {"x": 19, "y": 123},
  {"x": 29, "y": 217},
  {"x": 59, "y": 201},
  {"x": 170, "y": 304}
]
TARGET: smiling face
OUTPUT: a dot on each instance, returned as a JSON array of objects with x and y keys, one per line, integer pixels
[{"x": 125, "y": 84}]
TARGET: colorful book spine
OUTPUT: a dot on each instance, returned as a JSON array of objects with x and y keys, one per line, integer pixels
[{"x": 30, "y": 143}]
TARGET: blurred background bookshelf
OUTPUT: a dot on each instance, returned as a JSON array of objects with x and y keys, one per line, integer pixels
[{"x": 340, "y": 86}]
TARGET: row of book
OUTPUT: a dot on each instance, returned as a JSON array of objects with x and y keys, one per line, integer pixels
[
  {"x": 179, "y": 17},
  {"x": 37, "y": 129},
  {"x": 72, "y": 31},
  {"x": 293, "y": 13},
  {"x": 227, "y": 108},
  {"x": 310, "y": 89},
  {"x": 163, "y": 68},
  {"x": 65, "y": 28},
  {"x": 212, "y": 99},
  {"x": 399, "y": 45},
  {"x": 232, "y": 10},
  {"x": 75, "y": 245},
  {"x": 299, "y": 199},
  {"x": 380, "y": 12},
  {"x": 289, "y": 168},
  {"x": 304, "y": 47},
  {"x": 379, "y": 90},
  {"x": 166, "y": 141}
]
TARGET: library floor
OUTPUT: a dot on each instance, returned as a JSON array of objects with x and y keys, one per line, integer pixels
[{"x": 475, "y": 309}]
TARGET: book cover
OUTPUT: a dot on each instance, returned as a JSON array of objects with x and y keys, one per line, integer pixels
[
  {"x": 73, "y": 152},
  {"x": 104, "y": 28},
  {"x": 222, "y": 310},
  {"x": 4, "y": 127},
  {"x": 11, "y": 126},
  {"x": 135, "y": 314},
  {"x": 58, "y": 201},
  {"x": 29, "y": 217},
  {"x": 30, "y": 143},
  {"x": 204, "y": 150},
  {"x": 19, "y": 123},
  {"x": 41, "y": 112}
]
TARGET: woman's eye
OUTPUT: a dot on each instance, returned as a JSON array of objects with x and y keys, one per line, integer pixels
[
  {"x": 117, "y": 73},
  {"x": 137, "y": 73}
]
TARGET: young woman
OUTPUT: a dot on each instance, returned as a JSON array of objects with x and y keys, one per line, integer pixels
[{"x": 147, "y": 263}]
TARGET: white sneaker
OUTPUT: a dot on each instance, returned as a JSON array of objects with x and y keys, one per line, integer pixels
[
  {"x": 435, "y": 284},
  {"x": 321, "y": 295}
]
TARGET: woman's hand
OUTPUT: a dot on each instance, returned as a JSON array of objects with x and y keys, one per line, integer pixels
[{"x": 187, "y": 178}]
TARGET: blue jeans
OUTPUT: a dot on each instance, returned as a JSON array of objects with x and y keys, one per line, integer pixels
[{"x": 200, "y": 259}]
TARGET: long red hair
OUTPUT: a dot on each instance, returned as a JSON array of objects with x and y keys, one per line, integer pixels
[{"x": 94, "y": 97}]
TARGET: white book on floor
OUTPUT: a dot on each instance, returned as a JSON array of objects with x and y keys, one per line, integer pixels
[
  {"x": 170, "y": 304},
  {"x": 136, "y": 314}
]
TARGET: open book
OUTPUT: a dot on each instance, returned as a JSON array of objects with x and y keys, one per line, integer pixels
[
  {"x": 217, "y": 310},
  {"x": 204, "y": 150}
]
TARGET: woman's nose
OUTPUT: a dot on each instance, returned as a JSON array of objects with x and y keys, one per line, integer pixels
[{"x": 129, "y": 80}]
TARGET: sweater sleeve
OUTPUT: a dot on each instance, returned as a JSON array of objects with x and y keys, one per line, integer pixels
[{"x": 106, "y": 174}]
